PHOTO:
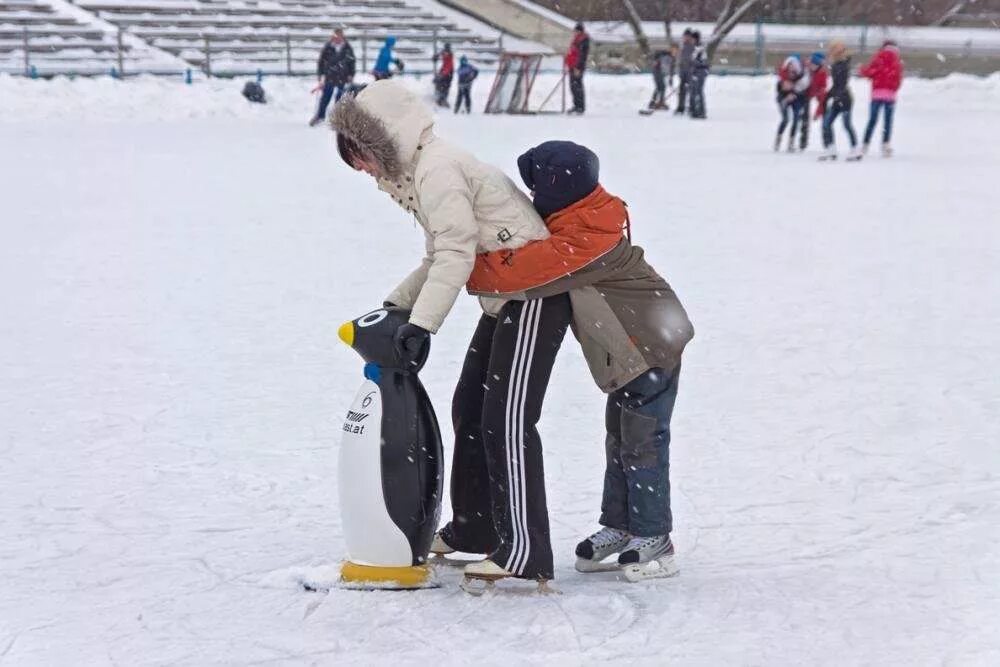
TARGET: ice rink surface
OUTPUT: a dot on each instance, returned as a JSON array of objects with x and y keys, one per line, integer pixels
[{"x": 173, "y": 269}]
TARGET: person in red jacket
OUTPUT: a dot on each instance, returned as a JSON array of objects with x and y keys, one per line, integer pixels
[
  {"x": 576, "y": 63},
  {"x": 442, "y": 80},
  {"x": 793, "y": 83},
  {"x": 817, "y": 91},
  {"x": 886, "y": 72}
]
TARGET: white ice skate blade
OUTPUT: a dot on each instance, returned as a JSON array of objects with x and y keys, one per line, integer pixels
[
  {"x": 440, "y": 560},
  {"x": 587, "y": 566},
  {"x": 661, "y": 568},
  {"x": 478, "y": 586}
]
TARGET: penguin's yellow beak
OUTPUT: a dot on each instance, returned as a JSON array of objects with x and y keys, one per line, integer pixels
[{"x": 346, "y": 333}]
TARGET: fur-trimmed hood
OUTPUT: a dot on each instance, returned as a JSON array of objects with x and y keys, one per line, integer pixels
[{"x": 389, "y": 121}]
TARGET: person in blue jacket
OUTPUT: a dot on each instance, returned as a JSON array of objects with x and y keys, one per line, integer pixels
[
  {"x": 384, "y": 59},
  {"x": 467, "y": 73}
]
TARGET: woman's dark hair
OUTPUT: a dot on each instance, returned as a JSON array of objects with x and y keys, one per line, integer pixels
[{"x": 349, "y": 150}]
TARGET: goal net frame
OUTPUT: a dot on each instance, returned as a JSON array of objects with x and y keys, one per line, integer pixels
[{"x": 513, "y": 83}]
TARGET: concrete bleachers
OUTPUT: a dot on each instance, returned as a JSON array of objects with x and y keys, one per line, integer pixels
[
  {"x": 286, "y": 35},
  {"x": 52, "y": 36},
  {"x": 223, "y": 36}
]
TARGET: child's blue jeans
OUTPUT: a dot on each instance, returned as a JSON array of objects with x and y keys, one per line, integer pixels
[
  {"x": 637, "y": 476},
  {"x": 876, "y": 106}
]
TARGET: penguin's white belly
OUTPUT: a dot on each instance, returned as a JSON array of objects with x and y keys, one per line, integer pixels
[{"x": 371, "y": 536}]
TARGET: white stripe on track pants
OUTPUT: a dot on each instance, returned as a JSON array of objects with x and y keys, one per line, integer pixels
[{"x": 497, "y": 476}]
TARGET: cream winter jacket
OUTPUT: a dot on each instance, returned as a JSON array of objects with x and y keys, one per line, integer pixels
[{"x": 464, "y": 206}]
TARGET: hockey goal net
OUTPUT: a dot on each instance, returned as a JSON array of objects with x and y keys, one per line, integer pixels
[{"x": 512, "y": 86}]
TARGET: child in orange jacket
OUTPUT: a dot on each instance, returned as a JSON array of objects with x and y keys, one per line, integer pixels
[{"x": 617, "y": 295}]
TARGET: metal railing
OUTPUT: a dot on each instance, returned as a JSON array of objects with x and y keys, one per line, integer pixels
[{"x": 292, "y": 57}]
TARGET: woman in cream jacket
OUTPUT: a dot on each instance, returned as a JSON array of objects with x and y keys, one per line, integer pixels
[{"x": 467, "y": 207}]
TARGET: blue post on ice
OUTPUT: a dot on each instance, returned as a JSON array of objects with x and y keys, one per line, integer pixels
[
  {"x": 759, "y": 45},
  {"x": 33, "y": 72},
  {"x": 114, "y": 73},
  {"x": 260, "y": 75},
  {"x": 187, "y": 76}
]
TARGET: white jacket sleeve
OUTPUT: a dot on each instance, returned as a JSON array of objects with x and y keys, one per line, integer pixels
[
  {"x": 406, "y": 294},
  {"x": 447, "y": 203}
]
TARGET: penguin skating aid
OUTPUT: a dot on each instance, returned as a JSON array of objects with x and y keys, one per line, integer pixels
[{"x": 390, "y": 471}]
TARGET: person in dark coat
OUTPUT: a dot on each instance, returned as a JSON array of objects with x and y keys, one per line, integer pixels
[
  {"x": 684, "y": 66},
  {"x": 467, "y": 73},
  {"x": 663, "y": 76},
  {"x": 699, "y": 72},
  {"x": 576, "y": 63},
  {"x": 839, "y": 102},
  {"x": 335, "y": 69}
]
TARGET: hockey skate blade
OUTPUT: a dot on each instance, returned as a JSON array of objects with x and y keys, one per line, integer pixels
[
  {"x": 369, "y": 577},
  {"x": 662, "y": 568},
  {"x": 587, "y": 566}
]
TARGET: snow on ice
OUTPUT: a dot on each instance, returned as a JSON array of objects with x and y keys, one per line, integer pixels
[{"x": 174, "y": 266}]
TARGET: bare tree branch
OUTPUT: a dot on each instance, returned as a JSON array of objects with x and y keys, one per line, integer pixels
[
  {"x": 727, "y": 20},
  {"x": 636, "y": 23},
  {"x": 665, "y": 10},
  {"x": 955, "y": 10},
  {"x": 727, "y": 10}
]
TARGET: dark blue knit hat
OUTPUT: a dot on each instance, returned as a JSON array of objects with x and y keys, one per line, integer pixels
[{"x": 559, "y": 173}]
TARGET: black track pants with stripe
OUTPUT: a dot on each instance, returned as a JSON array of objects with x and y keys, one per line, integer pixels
[{"x": 497, "y": 477}]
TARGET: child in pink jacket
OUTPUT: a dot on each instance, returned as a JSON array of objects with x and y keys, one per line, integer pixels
[{"x": 886, "y": 72}]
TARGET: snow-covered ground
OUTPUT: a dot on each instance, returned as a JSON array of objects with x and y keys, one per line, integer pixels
[{"x": 173, "y": 269}]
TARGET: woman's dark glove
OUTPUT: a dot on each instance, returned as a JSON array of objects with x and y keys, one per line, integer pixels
[{"x": 409, "y": 341}]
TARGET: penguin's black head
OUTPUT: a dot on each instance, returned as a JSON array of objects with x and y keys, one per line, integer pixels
[{"x": 371, "y": 336}]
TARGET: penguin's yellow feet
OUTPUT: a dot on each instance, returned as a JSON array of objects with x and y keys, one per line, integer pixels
[{"x": 353, "y": 575}]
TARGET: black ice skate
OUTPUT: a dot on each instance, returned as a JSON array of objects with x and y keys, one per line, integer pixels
[{"x": 592, "y": 551}]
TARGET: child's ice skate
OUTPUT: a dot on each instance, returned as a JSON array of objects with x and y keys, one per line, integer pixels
[
  {"x": 605, "y": 542},
  {"x": 777, "y": 143},
  {"x": 856, "y": 155},
  {"x": 481, "y": 577},
  {"x": 886, "y": 150},
  {"x": 648, "y": 558},
  {"x": 791, "y": 144}
]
